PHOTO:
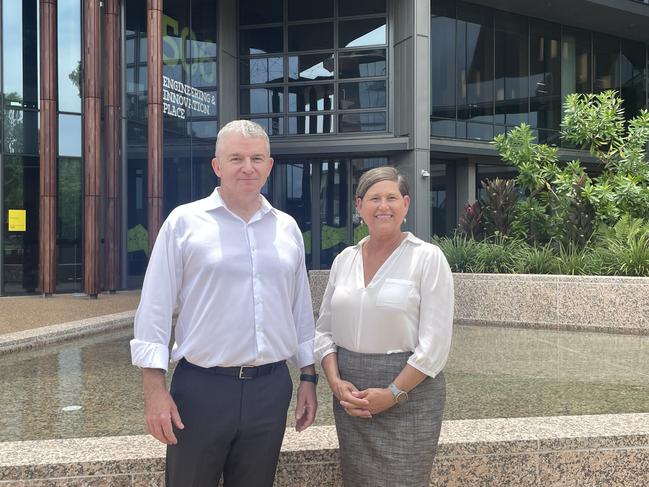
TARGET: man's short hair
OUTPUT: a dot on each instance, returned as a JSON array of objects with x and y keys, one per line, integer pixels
[{"x": 245, "y": 128}]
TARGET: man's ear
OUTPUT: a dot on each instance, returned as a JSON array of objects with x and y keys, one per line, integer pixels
[{"x": 216, "y": 167}]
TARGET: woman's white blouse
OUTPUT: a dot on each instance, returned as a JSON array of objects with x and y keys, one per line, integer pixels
[{"x": 408, "y": 306}]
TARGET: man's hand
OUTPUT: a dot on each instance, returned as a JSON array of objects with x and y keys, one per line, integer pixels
[
  {"x": 306, "y": 406},
  {"x": 378, "y": 399},
  {"x": 159, "y": 408}
]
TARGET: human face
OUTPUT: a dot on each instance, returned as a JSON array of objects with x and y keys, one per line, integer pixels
[
  {"x": 383, "y": 208},
  {"x": 243, "y": 165}
]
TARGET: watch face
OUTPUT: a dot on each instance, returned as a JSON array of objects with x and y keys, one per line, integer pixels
[{"x": 401, "y": 397}]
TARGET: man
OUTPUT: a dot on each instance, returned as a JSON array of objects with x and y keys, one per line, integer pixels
[{"x": 232, "y": 266}]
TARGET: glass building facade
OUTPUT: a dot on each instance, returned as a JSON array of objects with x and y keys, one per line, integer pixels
[{"x": 336, "y": 84}]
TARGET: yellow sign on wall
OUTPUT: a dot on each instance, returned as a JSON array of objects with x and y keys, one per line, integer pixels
[{"x": 17, "y": 220}]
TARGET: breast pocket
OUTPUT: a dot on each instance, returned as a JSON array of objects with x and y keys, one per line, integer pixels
[{"x": 394, "y": 293}]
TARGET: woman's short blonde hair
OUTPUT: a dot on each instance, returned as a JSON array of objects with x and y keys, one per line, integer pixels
[{"x": 378, "y": 174}]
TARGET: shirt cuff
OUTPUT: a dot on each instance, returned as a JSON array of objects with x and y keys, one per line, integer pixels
[
  {"x": 304, "y": 355},
  {"x": 429, "y": 371},
  {"x": 149, "y": 355},
  {"x": 323, "y": 352}
]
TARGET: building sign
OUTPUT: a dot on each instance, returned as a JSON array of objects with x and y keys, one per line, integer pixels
[
  {"x": 17, "y": 220},
  {"x": 178, "y": 98}
]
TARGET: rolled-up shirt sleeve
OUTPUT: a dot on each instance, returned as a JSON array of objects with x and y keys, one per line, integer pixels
[
  {"x": 435, "y": 316},
  {"x": 153, "y": 319},
  {"x": 302, "y": 311},
  {"x": 324, "y": 342}
]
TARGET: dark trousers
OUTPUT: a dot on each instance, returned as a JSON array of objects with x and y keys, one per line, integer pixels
[{"x": 233, "y": 427}]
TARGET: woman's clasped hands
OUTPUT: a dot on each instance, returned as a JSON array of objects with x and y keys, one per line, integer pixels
[{"x": 362, "y": 404}]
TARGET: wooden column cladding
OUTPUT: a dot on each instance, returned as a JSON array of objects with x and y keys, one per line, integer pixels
[
  {"x": 48, "y": 148},
  {"x": 113, "y": 152},
  {"x": 154, "y": 118},
  {"x": 91, "y": 144}
]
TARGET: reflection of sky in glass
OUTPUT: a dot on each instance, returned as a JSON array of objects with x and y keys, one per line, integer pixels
[
  {"x": 376, "y": 36},
  {"x": 12, "y": 47},
  {"x": 70, "y": 135},
  {"x": 69, "y": 53},
  {"x": 312, "y": 72},
  {"x": 266, "y": 69}
]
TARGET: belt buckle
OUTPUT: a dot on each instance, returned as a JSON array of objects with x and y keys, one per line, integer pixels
[{"x": 241, "y": 372}]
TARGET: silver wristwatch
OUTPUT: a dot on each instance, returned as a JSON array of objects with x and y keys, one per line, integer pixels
[{"x": 399, "y": 396}]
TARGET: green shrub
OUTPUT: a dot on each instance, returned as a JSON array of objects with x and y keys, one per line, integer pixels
[
  {"x": 461, "y": 252},
  {"x": 539, "y": 259}
]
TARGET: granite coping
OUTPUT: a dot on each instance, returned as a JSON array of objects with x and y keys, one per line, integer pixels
[
  {"x": 45, "y": 335},
  {"x": 319, "y": 444}
]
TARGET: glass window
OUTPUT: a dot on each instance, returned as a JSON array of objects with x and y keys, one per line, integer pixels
[
  {"x": 20, "y": 130},
  {"x": 262, "y": 100},
  {"x": 260, "y": 11},
  {"x": 69, "y": 224},
  {"x": 301, "y": 10},
  {"x": 311, "y": 67},
  {"x": 512, "y": 75},
  {"x": 310, "y": 37},
  {"x": 262, "y": 70},
  {"x": 204, "y": 129},
  {"x": 310, "y": 98},
  {"x": 20, "y": 249},
  {"x": 442, "y": 55},
  {"x": 70, "y": 135},
  {"x": 272, "y": 126},
  {"x": 261, "y": 41},
  {"x": 362, "y": 122},
  {"x": 575, "y": 62},
  {"x": 310, "y": 124},
  {"x": 545, "y": 75},
  {"x": 360, "y": 7},
  {"x": 202, "y": 44},
  {"x": 479, "y": 131},
  {"x": 362, "y": 64},
  {"x": 294, "y": 177},
  {"x": 442, "y": 128},
  {"x": 438, "y": 199},
  {"x": 177, "y": 177},
  {"x": 69, "y": 55},
  {"x": 633, "y": 72},
  {"x": 475, "y": 57},
  {"x": 20, "y": 53},
  {"x": 366, "y": 32},
  {"x": 365, "y": 94},
  {"x": 334, "y": 210},
  {"x": 606, "y": 62}
]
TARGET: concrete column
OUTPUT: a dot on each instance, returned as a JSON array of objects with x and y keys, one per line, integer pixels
[
  {"x": 48, "y": 144},
  {"x": 411, "y": 39},
  {"x": 228, "y": 59},
  {"x": 465, "y": 172},
  {"x": 113, "y": 153},
  {"x": 91, "y": 144},
  {"x": 154, "y": 118}
]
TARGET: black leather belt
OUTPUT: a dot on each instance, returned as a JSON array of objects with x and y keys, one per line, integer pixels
[{"x": 243, "y": 372}]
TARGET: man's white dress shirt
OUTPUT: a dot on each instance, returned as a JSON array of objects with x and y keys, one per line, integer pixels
[
  {"x": 406, "y": 307},
  {"x": 240, "y": 289}
]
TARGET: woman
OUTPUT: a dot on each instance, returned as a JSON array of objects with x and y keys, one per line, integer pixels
[{"x": 383, "y": 337}]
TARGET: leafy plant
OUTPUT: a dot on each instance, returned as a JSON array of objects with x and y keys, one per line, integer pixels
[
  {"x": 537, "y": 260},
  {"x": 471, "y": 222},
  {"x": 498, "y": 206},
  {"x": 460, "y": 252}
]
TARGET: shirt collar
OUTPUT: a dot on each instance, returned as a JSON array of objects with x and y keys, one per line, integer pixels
[
  {"x": 215, "y": 201},
  {"x": 409, "y": 237}
]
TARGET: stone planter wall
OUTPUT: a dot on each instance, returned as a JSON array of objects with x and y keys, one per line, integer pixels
[
  {"x": 618, "y": 304},
  {"x": 611, "y": 450}
]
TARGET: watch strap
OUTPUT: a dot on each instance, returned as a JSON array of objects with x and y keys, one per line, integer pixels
[{"x": 309, "y": 378}]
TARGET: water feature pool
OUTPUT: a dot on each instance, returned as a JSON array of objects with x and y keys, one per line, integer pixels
[{"x": 493, "y": 372}]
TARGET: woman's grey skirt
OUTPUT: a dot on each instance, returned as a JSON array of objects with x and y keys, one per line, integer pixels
[{"x": 395, "y": 448}]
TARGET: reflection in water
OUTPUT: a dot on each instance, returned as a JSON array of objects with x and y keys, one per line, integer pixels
[{"x": 492, "y": 372}]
